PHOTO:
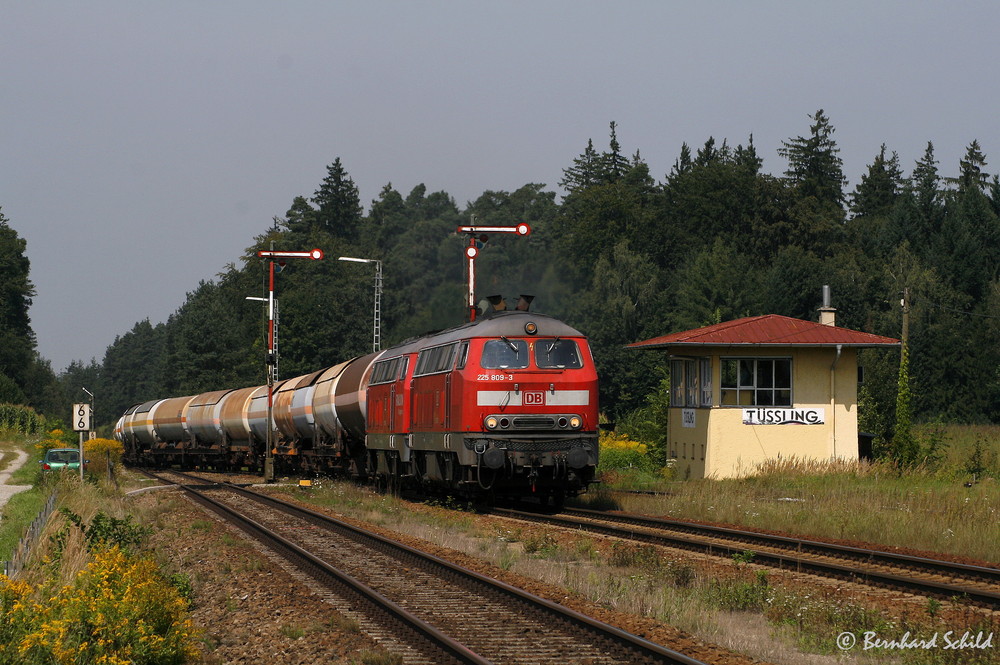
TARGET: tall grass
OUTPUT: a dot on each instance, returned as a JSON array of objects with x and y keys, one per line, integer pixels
[
  {"x": 876, "y": 502},
  {"x": 16, "y": 515},
  {"x": 949, "y": 502}
]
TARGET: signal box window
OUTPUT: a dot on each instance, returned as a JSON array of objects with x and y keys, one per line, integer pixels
[
  {"x": 557, "y": 354},
  {"x": 756, "y": 382},
  {"x": 690, "y": 382},
  {"x": 505, "y": 354}
]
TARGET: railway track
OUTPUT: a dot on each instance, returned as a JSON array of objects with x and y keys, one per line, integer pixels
[
  {"x": 930, "y": 577},
  {"x": 446, "y": 613}
]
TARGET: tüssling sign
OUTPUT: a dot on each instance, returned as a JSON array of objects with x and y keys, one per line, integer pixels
[{"x": 763, "y": 416}]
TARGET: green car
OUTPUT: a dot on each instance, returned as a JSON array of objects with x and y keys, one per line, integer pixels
[{"x": 62, "y": 458}]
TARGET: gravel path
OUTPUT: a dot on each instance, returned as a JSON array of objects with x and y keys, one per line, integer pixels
[{"x": 7, "y": 491}]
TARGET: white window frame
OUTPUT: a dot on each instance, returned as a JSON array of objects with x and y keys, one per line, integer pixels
[
  {"x": 753, "y": 389},
  {"x": 690, "y": 382}
]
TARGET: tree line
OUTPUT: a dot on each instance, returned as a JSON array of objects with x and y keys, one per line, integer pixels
[{"x": 620, "y": 255}]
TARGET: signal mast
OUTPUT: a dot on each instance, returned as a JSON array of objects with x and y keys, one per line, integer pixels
[{"x": 477, "y": 238}]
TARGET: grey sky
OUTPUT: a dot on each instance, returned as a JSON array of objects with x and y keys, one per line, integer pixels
[{"x": 144, "y": 144}]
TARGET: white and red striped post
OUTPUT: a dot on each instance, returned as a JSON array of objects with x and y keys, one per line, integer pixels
[
  {"x": 315, "y": 255},
  {"x": 471, "y": 251}
]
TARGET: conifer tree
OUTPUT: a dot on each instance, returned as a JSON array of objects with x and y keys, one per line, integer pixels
[
  {"x": 17, "y": 339},
  {"x": 339, "y": 203},
  {"x": 971, "y": 173},
  {"x": 878, "y": 190},
  {"x": 748, "y": 157},
  {"x": 813, "y": 165},
  {"x": 925, "y": 181},
  {"x": 614, "y": 165},
  {"x": 584, "y": 171},
  {"x": 683, "y": 162},
  {"x": 301, "y": 216}
]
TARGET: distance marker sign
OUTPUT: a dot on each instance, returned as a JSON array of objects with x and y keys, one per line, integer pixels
[{"x": 81, "y": 417}]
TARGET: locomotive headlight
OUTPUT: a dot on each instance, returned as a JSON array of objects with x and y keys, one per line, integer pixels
[
  {"x": 530, "y": 327},
  {"x": 492, "y": 422},
  {"x": 575, "y": 422}
]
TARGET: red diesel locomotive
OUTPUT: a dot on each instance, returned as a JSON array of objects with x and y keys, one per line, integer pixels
[{"x": 504, "y": 405}]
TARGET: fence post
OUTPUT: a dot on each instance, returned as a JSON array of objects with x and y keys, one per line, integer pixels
[{"x": 20, "y": 555}]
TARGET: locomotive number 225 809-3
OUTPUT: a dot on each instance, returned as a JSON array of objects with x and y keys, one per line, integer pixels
[{"x": 494, "y": 377}]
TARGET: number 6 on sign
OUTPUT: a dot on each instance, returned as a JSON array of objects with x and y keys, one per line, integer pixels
[{"x": 81, "y": 417}]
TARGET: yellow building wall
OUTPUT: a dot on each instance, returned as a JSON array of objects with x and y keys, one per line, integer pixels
[{"x": 732, "y": 448}]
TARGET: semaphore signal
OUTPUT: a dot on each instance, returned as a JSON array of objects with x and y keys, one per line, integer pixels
[{"x": 478, "y": 238}]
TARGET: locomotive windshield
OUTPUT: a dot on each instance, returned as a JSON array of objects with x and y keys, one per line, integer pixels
[
  {"x": 557, "y": 353},
  {"x": 505, "y": 354}
]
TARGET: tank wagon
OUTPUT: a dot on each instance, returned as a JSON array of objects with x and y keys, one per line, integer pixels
[{"x": 506, "y": 405}]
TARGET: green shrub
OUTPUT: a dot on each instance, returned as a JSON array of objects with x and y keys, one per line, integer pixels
[{"x": 118, "y": 610}]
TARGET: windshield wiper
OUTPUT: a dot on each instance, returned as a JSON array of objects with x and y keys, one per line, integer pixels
[
  {"x": 548, "y": 351},
  {"x": 512, "y": 345}
]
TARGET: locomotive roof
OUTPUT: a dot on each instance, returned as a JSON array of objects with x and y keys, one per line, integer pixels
[{"x": 506, "y": 324}]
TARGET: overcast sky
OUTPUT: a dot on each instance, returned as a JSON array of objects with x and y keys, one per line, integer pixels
[{"x": 144, "y": 144}]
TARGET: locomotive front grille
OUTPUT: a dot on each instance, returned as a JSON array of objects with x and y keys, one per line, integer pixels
[{"x": 533, "y": 422}]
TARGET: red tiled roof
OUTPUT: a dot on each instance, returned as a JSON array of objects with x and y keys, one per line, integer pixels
[{"x": 771, "y": 330}]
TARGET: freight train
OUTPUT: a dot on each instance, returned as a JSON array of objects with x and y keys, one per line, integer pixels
[{"x": 505, "y": 405}]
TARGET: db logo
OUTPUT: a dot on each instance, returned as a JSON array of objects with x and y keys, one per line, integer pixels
[{"x": 534, "y": 398}]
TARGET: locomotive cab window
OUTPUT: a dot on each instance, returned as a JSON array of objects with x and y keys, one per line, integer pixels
[
  {"x": 438, "y": 359},
  {"x": 557, "y": 354},
  {"x": 505, "y": 354},
  {"x": 384, "y": 371}
]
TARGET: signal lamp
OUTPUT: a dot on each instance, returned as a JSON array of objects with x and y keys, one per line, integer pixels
[
  {"x": 575, "y": 422},
  {"x": 530, "y": 328},
  {"x": 491, "y": 422}
]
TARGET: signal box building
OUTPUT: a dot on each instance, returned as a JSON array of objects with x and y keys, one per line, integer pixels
[{"x": 762, "y": 388}]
